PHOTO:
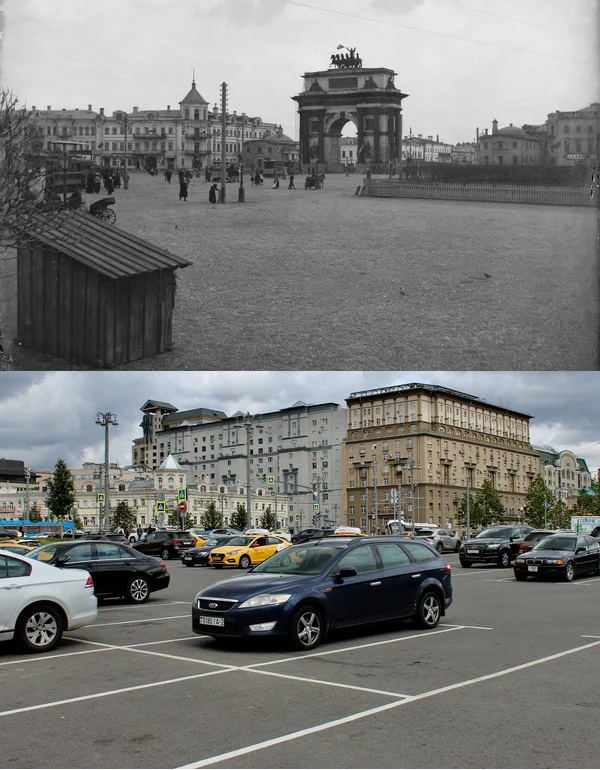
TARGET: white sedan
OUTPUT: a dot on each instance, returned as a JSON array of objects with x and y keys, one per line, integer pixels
[{"x": 39, "y": 602}]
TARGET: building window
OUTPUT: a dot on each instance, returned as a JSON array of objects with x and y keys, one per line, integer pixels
[
  {"x": 170, "y": 145},
  {"x": 566, "y": 129},
  {"x": 196, "y": 114},
  {"x": 567, "y": 147},
  {"x": 515, "y": 159},
  {"x": 577, "y": 129}
]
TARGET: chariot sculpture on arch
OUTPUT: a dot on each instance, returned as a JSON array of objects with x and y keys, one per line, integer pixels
[{"x": 351, "y": 60}]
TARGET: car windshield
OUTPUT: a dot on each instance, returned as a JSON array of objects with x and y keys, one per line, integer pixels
[
  {"x": 241, "y": 541},
  {"x": 215, "y": 541},
  {"x": 496, "y": 532},
  {"x": 45, "y": 552},
  {"x": 299, "y": 560},
  {"x": 556, "y": 544},
  {"x": 533, "y": 537}
]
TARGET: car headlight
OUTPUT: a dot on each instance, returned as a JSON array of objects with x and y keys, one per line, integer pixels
[
  {"x": 494, "y": 545},
  {"x": 554, "y": 561},
  {"x": 265, "y": 600},
  {"x": 233, "y": 553},
  {"x": 202, "y": 553},
  {"x": 518, "y": 560}
]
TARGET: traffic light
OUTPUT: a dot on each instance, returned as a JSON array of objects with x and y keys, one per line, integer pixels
[
  {"x": 263, "y": 478},
  {"x": 314, "y": 520}
]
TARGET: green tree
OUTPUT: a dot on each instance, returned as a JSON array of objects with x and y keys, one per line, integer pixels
[
  {"x": 123, "y": 517},
  {"x": 175, "y": 519},
  {"x": 211, "y": 518},
  {"x": 267, "y": 519},
  {"x": 61, "y": 492},
  {"x": 475, "y": 512},
  {"x": 34, "y": 514},
  {"x": 538, "y": 503},
  {"x": 239, "y": 518},
  {"x": 559, "y": 516},
  {"x": 491, "y": 510},
  {"x": 588, "y": 501}
]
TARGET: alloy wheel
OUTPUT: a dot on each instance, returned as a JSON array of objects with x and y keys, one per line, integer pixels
[
  {"x": 431, "y": 610},
  {"x": 308, "y": 628},
  {"x": 41, "y": 629},
  {"x": 139, "y": 590}
]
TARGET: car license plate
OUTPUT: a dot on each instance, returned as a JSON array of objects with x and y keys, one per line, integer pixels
[
  {"x": 472, "y": 550},
  {"x": 187, "y": 558},
  {"x": 208, "y": 621},
  {"x": 532, "y": 569}
]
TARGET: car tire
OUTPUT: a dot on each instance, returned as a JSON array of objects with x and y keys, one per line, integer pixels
[
  {"x": 188, "y": 565},
  {"x": 307, "y": 628},
  {"x": 440, "y": 548},
  {"x": 429, "y": 610},
  {"x": 244, "y": 562},
  {"x": 520, "y": 577},
  {"x": 138, "y": 590},
  {"x": 504, "y": 559},
  {"x": 465, "y": 563},
  {"x": 165, "y": 555},
  {"x": 569, "y": 573},
  {"x": 39, "y": 628},
  {"x": 457, "y": 547}
]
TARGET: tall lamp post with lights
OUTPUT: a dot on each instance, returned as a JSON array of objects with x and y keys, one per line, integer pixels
[
  {"x": 105, "y": 420},
  {"x": 249, "y": 421}
]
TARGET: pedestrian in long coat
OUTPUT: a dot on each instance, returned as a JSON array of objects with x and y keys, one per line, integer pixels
[
  {"x": 183, "y": 188},
  {"x": 97, "y": 183},
  {"x": 291, "y": 185},
  {"x": 110, "y": 187},
  {"x": 257, "y": 179},
  {"x": 117, "y": 180},
  {"x": 212, "y": 193},
  {"x": 126, "y": 180}
]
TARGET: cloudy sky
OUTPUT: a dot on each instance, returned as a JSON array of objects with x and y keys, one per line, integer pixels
[
  {"x": 47, "y": 415},
  {"x": 463, "y": 62}
]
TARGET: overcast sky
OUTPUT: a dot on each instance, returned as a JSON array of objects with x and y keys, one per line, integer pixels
[
  {"x": 462, "y": 62},
  {"x": 47, "y": 415}
]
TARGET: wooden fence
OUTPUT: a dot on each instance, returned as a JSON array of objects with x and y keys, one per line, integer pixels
[{"x": 552, "y": 196}]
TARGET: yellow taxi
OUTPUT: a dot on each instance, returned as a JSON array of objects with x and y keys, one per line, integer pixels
[
  {"x": 14, "y": 541},
  {"x": 199, "y": 539},
  {"x": 21, "y": 549},
  {"x": 245, "y": 550}
]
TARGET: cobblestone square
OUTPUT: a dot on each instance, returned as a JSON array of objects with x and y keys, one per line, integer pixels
[{"x": 304, "y": 279}]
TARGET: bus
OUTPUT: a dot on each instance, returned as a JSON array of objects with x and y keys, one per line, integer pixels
[{"x": 79, "y": 162}]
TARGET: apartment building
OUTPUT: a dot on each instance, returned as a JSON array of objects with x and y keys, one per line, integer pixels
[
  {"x": 564, "y": 472},
  {"x": 410, "y": 450}
]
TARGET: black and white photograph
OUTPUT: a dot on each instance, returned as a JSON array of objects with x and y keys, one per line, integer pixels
[{"x": 259, "y": 184}]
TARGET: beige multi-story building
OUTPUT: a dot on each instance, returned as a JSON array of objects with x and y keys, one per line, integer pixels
[
  {"x": 506, "y": 146},
  {"x": 411, "y": 449},
  {"x": 573, "y": 137},
  {"x": 565, "y": 474},
  {"x": 273, "y": 153}
]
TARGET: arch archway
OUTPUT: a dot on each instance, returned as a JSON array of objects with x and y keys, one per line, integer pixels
[{"x": 366, "y": 97}]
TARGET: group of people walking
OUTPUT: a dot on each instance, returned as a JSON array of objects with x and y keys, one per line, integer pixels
[{"x": 108, "y": 178}]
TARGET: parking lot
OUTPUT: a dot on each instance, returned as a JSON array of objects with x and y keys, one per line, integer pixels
[{"x": 508, "y": 679}]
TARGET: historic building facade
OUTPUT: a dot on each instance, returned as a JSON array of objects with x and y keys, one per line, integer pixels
[
  {"x": 510, "y": 145},
  {"x": 427, "y": 149},
  {"x": 564, "y": 472},
  {"x": 420, "y": 444},
  {"x": 574, "y": 136},
  {"x": 299, "y": 446},
  {"x": 273, "y": 153}
]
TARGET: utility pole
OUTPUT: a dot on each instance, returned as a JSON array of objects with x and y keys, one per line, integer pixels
[
  {"x": 223, "y": 137},
  {"x": 248, "y": 421},
  {"x": 375, "y": 512},
  {"x": 242, "y": 192},
  {"x": 27, "y": 477},
  {"x": 105, "y": 420}
]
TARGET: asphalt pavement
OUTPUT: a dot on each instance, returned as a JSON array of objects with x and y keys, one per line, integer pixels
[{"x": 508, "y": 679}]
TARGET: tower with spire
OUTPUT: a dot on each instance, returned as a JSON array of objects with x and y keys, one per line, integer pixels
[{"x": 194, "y": 134}]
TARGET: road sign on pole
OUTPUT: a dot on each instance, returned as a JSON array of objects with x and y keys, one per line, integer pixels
[
  {"x": 270, "y": 480},
  {"x": 182, "y": 506},
  {"x": 182, "y": 493},
  {"x": 316, "y": 507},
  {"x": 160, "y": 507}
]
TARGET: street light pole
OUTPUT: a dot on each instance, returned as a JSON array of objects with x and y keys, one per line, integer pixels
[
  {"x": 27, "y": 477},
  {"x": 242, "y": 192},
  {"x": 248, "y": 421},
  {"x": 105, "y": 420},
  {"x": 375, "y": 512}
]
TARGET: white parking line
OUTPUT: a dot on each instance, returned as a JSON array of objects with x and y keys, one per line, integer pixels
[
  {"x": 137, "y": 649},
  {"x": 166, "y": 641},
  {"x": 501, "y": 580},
  {"x": 585, "y": 582},
  {"x": 378, "y": 709},
  {"x": 322, "y": 681},
  {"x": 468, "y": 572},
  {"x": 106, "y": 693},
  {"x": 129, "y": 622},
  {"x": 477, "y": 628},
  {"x": 354, "y": 647},
  {"x": 137, "y": 606},
  {"x": 38, "y": 659}
]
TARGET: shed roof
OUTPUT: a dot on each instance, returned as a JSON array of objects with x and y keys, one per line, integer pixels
[{"x": 107, "y": 249}]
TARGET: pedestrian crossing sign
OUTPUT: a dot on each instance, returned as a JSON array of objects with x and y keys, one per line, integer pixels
[
  {"x": 101, "y": 498},
  {"x": 160, "y": 507},
  {"x": 182, "y": 494},
  {"x": 316, "y": 507},
  {"x": 270, "y": 480}
]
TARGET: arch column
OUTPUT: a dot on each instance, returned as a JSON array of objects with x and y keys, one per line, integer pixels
[
  {"x": 377, "y": 136},
  {"x": 360, "y": 141},
  {"x": 304, "y": 138}
]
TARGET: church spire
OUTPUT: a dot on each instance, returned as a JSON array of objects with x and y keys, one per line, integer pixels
[{"x": 194, "y": 78}]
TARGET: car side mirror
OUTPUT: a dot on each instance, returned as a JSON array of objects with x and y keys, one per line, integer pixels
[
  {"x": 62, "y": 560},
  {"x": 346, "y": 572},
  {"x": 581, "y": 549}
]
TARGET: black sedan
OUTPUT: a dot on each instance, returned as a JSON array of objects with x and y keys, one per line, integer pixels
[
  {"x": 198, "y": 557},
  {"x": 306, "y": 590},
  {"x": 116, "y": 569},
  {"x": 564, "y": 556}
]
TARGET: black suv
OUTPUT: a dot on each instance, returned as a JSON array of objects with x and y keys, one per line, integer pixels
[
  {"x": 312, "y": 533},
  {"x": 499, "y": 545},
  {"x": 165, "y": 543}
]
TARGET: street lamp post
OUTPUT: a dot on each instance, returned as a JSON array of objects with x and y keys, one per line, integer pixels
[
  {"x": 242, "y": 192},
  {"x": 27, "y": 477},
  {"x": 105, "y": 420},
  {"x": 249, "y": 421}
]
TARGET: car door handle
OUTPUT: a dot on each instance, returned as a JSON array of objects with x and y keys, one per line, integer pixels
[
  {"x": 417, "y": 575},
  {"x": 12, "y": 586},
  {"x": 376, "y": 583}
]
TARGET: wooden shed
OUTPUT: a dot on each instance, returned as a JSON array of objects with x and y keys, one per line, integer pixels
[{"x": 93, "y": 293}]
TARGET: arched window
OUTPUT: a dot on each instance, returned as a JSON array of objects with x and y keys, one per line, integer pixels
[
  {"x": 203, "y": 488},
  {"x": 150, "y": 116},
  {"x": 159, "y": 482},
  {"x": 186, "y": 114},
  {"x": 121, "y": 487},
  {"x": 171, "y": 483},
  {"x": 196, "y": 114},
  {"x": 89, "y": 488},
  {"x": 222, "y": 489}
]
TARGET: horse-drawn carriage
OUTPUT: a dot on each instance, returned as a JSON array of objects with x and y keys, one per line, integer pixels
[
  {"x": 313, "y": 182},
  {"x": 100, "y": 209}
]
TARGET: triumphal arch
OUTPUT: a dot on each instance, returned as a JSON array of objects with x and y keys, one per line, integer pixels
[{"x": 347, "y": 91}]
